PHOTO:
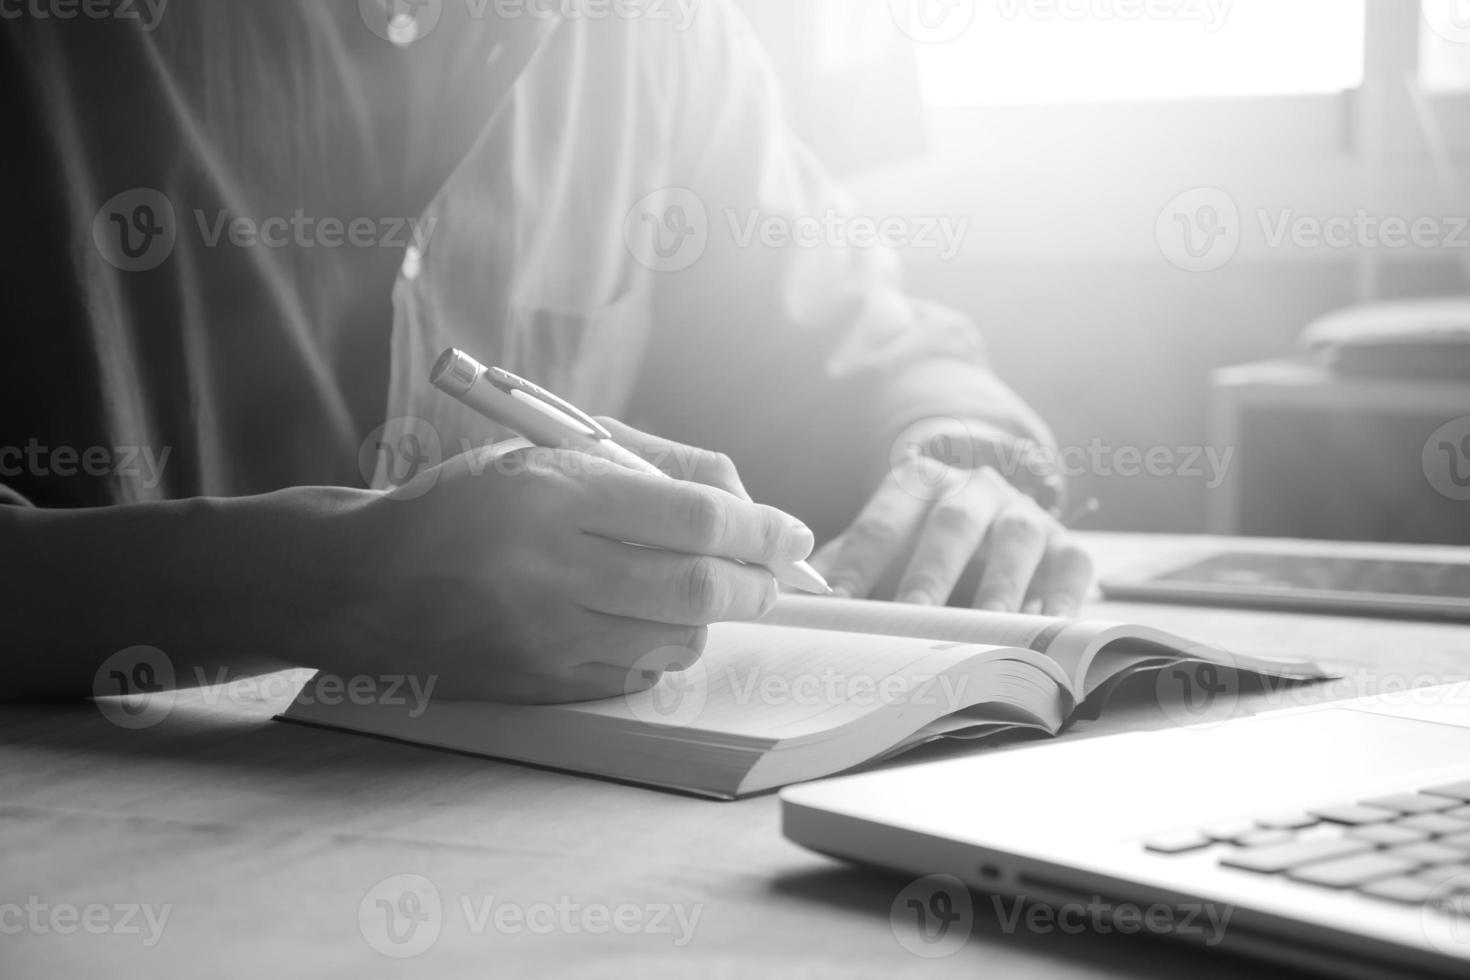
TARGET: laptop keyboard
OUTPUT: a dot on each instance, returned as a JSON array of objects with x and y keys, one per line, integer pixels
[{"x": 1405, "y": 847}]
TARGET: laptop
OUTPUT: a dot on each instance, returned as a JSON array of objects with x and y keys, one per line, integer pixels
[{"x": 1334, "y": 838}]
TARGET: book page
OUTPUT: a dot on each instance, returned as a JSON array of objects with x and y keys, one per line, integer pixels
[{"x": 768, "y": 683}]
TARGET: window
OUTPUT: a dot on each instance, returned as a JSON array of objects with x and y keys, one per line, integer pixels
[{"x": 978, "y": 52}]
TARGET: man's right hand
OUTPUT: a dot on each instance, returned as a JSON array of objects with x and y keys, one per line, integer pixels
[{"x": 538, "y": 575}]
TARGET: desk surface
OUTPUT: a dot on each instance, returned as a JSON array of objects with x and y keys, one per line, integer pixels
[{"x": 262, "y": 840}]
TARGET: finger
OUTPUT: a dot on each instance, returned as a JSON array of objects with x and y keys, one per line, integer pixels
[
  {"x": 689, "y": 517},
  {"x": 665, "y": 586},
  {"x": 688, "y": 463},
  {"x": 1065, "y": 579},
  {"x": 1012, "y": 552},
  {"x": 889, "y": 521},
  {"x": 645, "y": 668},
  {"x": 951, "y": 535}
]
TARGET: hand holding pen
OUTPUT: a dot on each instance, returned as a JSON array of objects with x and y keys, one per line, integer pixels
[{"x": 547, "y": 420}]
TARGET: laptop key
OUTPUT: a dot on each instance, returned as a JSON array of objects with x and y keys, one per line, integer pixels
[
  {"x": 1231, "y": 831},
  {"x": 1435, "y": 823},
  {"x": 1178, "y": 842},
  {"x": 1388, "y": 834},
  {"x": 1455, "y": 791},
  {"x": 1353, "y": 815},
  {"x": 1294, "y": 820},
  {"x": 1409, "y": 891},
  {"x": 1427, "y": 853},
  {"x": 1350, "y": 871},
  {"x": 1281, "y": 857},
  {"x": 1411, "y": 803},
  {"x": 1266, "y": 838}
]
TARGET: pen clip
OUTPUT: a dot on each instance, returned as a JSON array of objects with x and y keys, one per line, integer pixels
[{"x": 508, "y": 383}]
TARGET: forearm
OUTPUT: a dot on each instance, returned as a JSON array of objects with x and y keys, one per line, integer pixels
[{"x": 212, "y": 583}]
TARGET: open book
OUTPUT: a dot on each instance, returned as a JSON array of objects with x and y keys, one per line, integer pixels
[{"x": 819, "y": 686}]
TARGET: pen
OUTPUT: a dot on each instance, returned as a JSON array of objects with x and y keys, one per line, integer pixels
[{"x": 543, "y": 418}]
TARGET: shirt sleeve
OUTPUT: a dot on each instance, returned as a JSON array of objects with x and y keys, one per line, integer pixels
[{"x": 789, "y": 321}]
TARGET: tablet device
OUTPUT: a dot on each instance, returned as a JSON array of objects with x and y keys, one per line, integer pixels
[{"x": 1356, "y": 585}]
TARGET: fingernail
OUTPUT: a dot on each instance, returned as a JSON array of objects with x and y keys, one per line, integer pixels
[
  {"x": 802, "y": 542},
  {"x": 918, "y": 598}
]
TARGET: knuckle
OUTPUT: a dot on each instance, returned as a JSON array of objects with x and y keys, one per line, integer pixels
[
  {"x": 704, "y": 518},
  {"x": 927, "y": 581},
  {"x": 874, "y": 532},
  {"x": 704, "y": 587},
  {"x": 952, "y": 515},
  {"x": 1016, "y": 523}
]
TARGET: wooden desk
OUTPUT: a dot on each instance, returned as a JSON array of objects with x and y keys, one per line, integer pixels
[{"x": 262, "y": 839}]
